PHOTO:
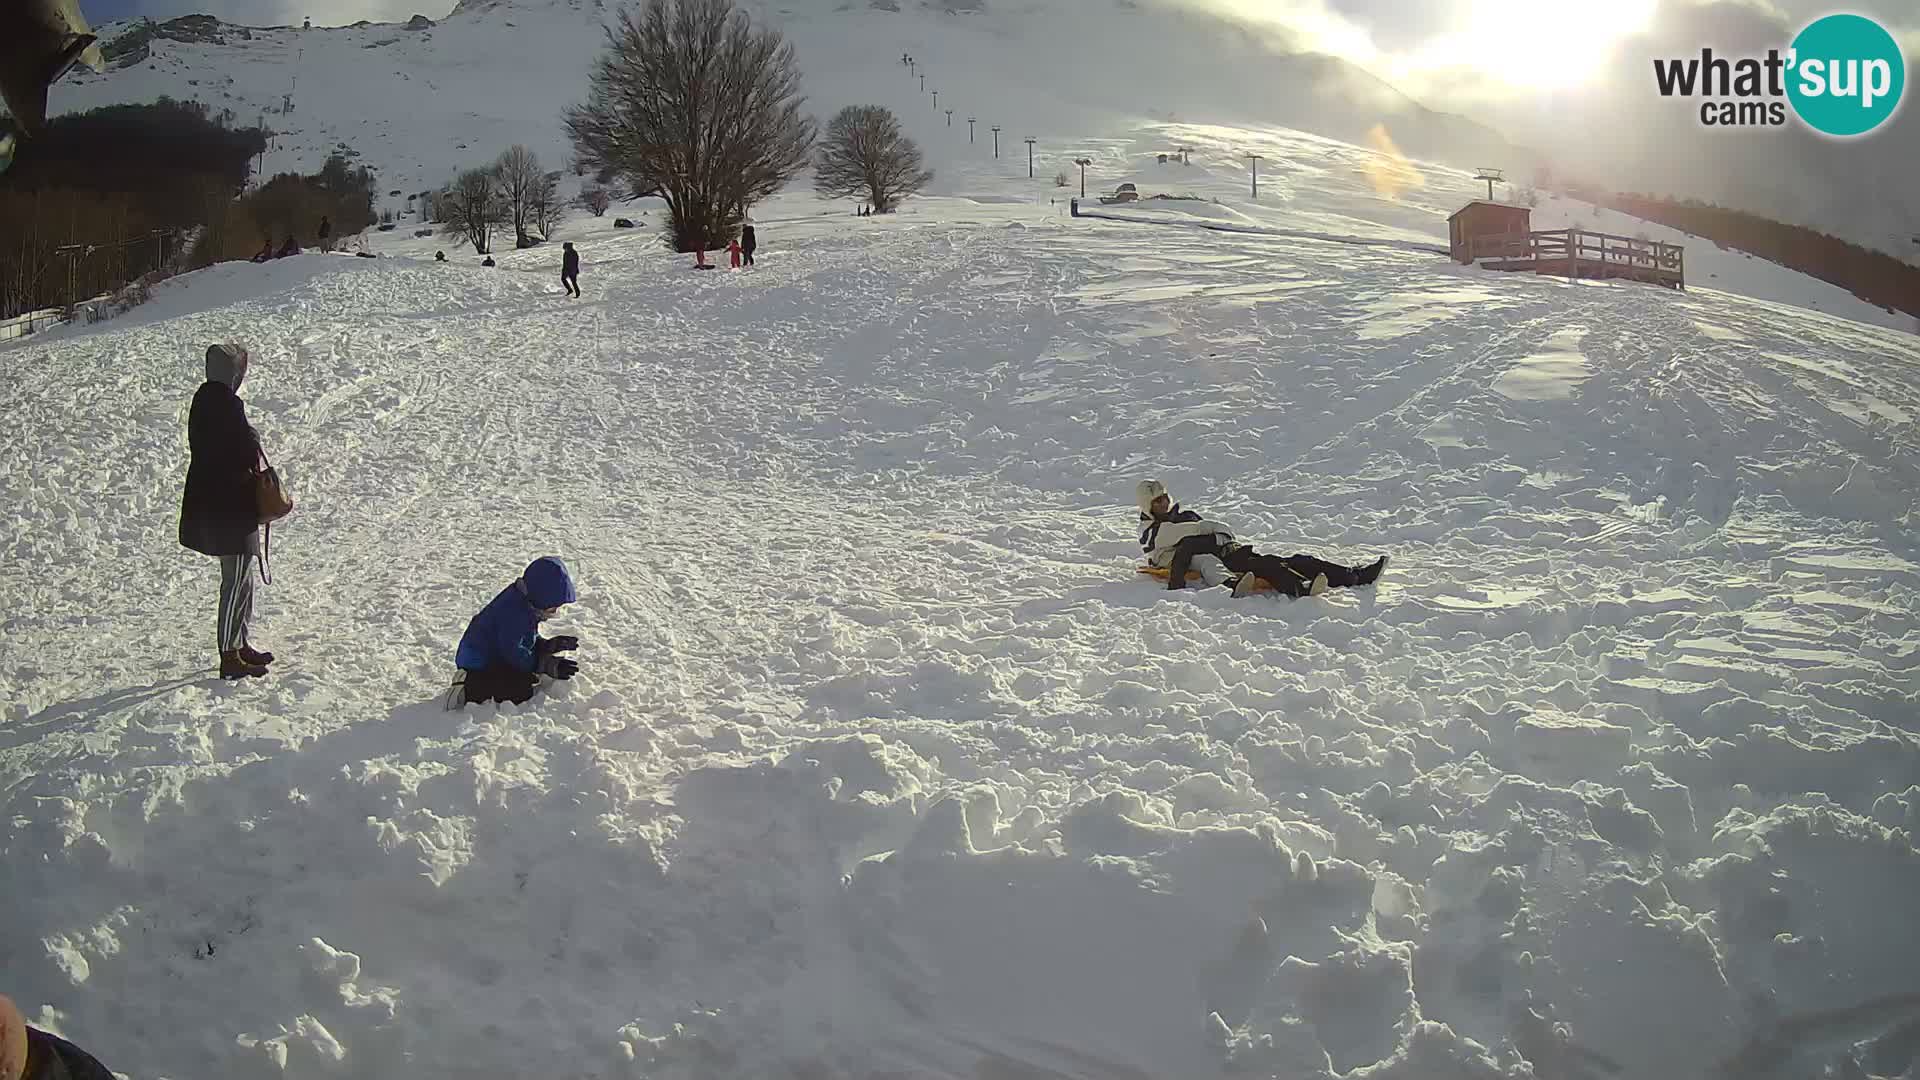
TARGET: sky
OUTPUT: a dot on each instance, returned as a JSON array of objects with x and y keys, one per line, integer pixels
[{"x": 1453, "y": 54}]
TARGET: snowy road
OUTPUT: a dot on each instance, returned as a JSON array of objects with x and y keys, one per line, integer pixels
[{"x": 882, "y": 761}]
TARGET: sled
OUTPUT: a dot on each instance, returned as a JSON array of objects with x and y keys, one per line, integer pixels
[{"x": 1261, "y": 585}]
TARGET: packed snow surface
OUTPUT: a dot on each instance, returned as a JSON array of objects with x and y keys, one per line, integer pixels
[{"x": 883, "y": 761}]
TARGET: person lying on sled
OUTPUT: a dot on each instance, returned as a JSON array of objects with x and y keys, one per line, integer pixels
[{"x": 1172, "y": 537}]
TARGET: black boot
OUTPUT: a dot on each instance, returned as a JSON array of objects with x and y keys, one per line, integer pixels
[
  {"x": 233, "y": 667},
  {"x": 1367, "y": 575},
  {"x": 256, "y": 658}
]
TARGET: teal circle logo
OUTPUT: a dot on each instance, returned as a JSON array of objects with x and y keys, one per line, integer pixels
[{"x": 1847, "y": 75}]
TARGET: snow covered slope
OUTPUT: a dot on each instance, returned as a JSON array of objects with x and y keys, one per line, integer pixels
[
  {"x": 883, "y": 761},
  {"x": 1120, "y": 86},
  {"x": 417, "y": 103}
]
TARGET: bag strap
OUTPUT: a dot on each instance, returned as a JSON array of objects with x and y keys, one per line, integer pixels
[{"x": 266, "y": 549}]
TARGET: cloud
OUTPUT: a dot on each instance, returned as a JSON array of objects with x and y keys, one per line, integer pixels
[{"x": 1612, "y": 127}]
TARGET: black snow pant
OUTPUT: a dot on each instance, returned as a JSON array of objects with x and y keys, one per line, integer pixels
[
  {"x": 572, "y": 283},
  {"x": 1289, "y": 574},
  {"x": 236, "y": 601},
  {"x": 50, "y": 1057},
  {"x": 500, "y": 684},
  {"x": 747, "y": 254}
]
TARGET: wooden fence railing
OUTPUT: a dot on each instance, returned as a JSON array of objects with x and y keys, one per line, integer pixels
[
  {"x": 1583, "y": 253},
  {"x": 31, "y": 323}
]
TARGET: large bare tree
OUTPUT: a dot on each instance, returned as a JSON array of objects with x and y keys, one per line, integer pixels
[
  {"x": 518, "y": 173},
  {"x": 471, "y": 206},
  {"x": 694, "y": 103},
  {"x": 866, "y": 154}
]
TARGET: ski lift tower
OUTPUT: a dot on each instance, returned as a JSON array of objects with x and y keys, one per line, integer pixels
[{"x": 1492, "y": 177}]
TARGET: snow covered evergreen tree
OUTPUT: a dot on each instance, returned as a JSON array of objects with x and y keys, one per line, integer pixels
[{"x": 694, "y": 103}]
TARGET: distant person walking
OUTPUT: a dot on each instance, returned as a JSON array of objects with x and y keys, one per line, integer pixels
[
  {"x": 748, "y": 242},
  {"x": 326, "y": 234},
  {"x": 570, "y": 269},
  {"x": 220, "y": 511},
  {"x": 733, "y": 253}
]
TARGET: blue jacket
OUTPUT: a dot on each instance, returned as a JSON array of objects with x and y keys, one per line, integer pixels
[{"x": 505, "y": 632}]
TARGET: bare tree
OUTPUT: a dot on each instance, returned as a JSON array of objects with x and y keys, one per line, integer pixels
[
  {"x": 866, "y": 154},
  {"x": 543, "y": 210},
  {"x": 472, "y": 206},
  {"x": 596, "y": 199},
  {"x": 518, "y": 174},
  {"x": 692, "y": 102}
]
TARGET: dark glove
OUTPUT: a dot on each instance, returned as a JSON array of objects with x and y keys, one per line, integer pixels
[
  {"x": 558, "y": 666},
  {"x": 547, "y": 646}
]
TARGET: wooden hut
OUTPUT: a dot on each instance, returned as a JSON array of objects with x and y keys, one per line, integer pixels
[{"x": 1480, "y": 218}]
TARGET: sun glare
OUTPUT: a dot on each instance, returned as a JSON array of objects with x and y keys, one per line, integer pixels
[{"x": 1537, "y": 44}]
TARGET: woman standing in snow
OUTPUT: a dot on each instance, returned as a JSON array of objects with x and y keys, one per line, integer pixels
[{"x": 220, "y": 512}]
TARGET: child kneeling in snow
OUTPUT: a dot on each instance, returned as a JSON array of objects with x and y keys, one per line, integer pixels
[
  {"x": 502, "y": 654},
  {"x": 1172, "y": 538}
]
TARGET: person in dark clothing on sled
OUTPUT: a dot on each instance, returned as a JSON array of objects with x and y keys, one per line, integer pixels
[
  {"x": 27, "y": 1053},
  {"x": 1173, "y": 537},
  {"x": 502, "y": 654}
]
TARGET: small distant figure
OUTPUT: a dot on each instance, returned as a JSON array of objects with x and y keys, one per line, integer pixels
[
  {"x": 570, "y": 269},
  {"x": 488, "y": 261},
  {"x": 439, "y": 256},
  {"x": 27, "y": 1053},
  {"x": 265, "y": 252},
  {"x": 291, "y": 247},
  {"x": 700, "y": 260},
  {"x": 748, "y": 242},
  {"x": 733, "y": 253},
  {"x": 326, "y": 233},
  {"x": 502, "y": 654}
]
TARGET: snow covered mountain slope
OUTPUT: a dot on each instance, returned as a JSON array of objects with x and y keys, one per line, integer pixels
[
  {"x": 883, "y": 760},
  {"x": 418, "y": 104}
]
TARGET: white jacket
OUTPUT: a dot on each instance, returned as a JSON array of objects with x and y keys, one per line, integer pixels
[{"x": 1159, "y": 536}]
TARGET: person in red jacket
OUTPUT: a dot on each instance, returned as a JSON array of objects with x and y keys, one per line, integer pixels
[{"x": 733, "y": 252}]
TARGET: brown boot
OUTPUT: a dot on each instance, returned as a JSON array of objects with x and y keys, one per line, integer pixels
[
  {"x": 252, "y": 657},
  {"x": 232, "y": 666}
]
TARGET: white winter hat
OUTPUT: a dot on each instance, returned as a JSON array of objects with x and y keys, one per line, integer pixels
[{"x": 1145, "y": 492}]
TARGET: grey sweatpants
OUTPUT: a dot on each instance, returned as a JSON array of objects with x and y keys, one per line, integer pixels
[{"x": 236, "y": 600}]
